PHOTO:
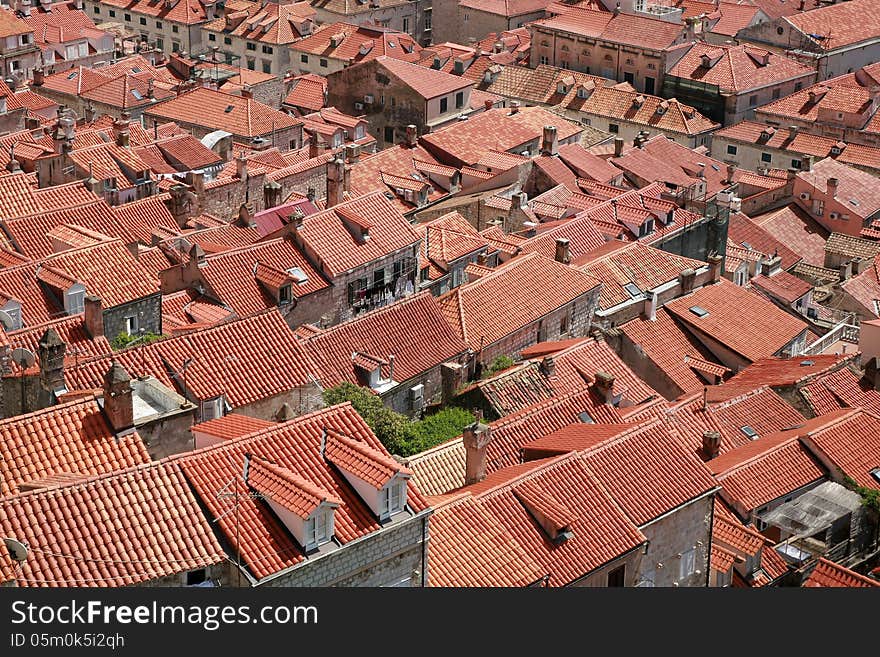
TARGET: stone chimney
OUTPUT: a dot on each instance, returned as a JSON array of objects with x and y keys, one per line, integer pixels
[
  {"x": 618, "y": 146},
  {"x": 806, "y": 163},
  {"x": 271, "y": 194},
  {"x": 771, "y": 266},
  {"x": 335, "y": 182},
  {"x": 37, "y": 77},
  {"x": 284, "y": 413},
  {"x": 548, "y": 366},
  {"x": 550, "y": 141},
  {"x": 604, "y": 386},
  {"x": 316, "y": 146},
  {"x": 412, "y": 136},
  {"x": 563, "y": 251},
  {"x": 121, "y": 130},
  {"x": 476, "y": 437},
  {"x": 118, "y": 402},
  {"x": 731, "y": 172},
  {"x": 831, "y": 185},
  {"x": 514, "y": 106},
  {"x": 241, "y": 167},
  {"x": 352, "y": 153},
  {"x": 93, "y": 316},
  {"x": 711, "y": 444},
  {"x": 845, "y": 269},
  {"x": 51, "y": 350},
  {"x": 651, "y": 307},
  {"x": 686, "y": 279},
  {"x": 715, "y": 261},
  {"x": 89, "y": 113},
  {"x": 247, "y": 91}
]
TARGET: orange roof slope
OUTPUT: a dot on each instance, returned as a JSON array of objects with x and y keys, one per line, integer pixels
[
  {"x": 71, "y": 438},
  {"x": 266, "y": 547},
  {"x": 426, "y": 82},
  {"x": 839, "y": 25},
  {"x": 482, "y": 312},
  {"x": 116, "y": 530},
  {"x": 413, "y": 330},
  {"x": 739, "y": 319},
  {"x": 829, "y": 574},
  {"x": 851, "y": 443}
]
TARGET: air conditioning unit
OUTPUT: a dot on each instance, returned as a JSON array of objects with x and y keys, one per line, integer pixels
[
  {"x": 359, "y": 106},
  {"x": 368, "y": 99},
  {"x": 833, "y": 215},
  {"x": 417, "y": 397},
  {"x": 804, "y": 196}
]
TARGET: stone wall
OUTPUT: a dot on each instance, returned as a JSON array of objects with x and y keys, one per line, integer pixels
[
  {"x": 383, "y": 558},
  {"x": 147, "y": 310},
  {"x": 687, "y": 528},
  {"x": 168, "y": 436},
  {"x": 599, "y": 578},
  {"x": 301, "y": 400}
]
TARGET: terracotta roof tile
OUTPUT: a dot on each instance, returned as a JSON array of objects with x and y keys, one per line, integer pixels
[
  {"x": 849, "y": 442},
  {"x": 838, "y": 25},
  {"x": 473, "y": 308},
  {"x": 116, "y": 530},
  {"x": 231, "y": 425},
  {"x": 795, "y": 229},
  {"x": 783, "y": 286},
  {"x": 307, "y": 91},
  {"x": 829, "y": 574},
  {"x": 425, "y": 82},
  {"x": 357, "y": 43},
  {"x": 188, "y": 12},
  {"x": 285, "y": 488},
  {"x": 755, "y": 329}
]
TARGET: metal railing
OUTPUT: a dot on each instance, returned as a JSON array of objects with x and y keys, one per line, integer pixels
[{"x": 845, "y": 331}]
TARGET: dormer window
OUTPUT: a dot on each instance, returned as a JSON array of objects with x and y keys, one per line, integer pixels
[
  {"x": 319, "y": 527},
  {"x": 393, "y": 497},
  {"x": 74, "y": 299},
  {"x": 284, "y": 294}
]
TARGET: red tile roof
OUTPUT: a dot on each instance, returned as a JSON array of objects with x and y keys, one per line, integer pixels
[
  {"x": 12, "y": 25},
  {"x": 783, "y": 286},
  {"x": 839, "y": 25},
  {"x": 626, "y": 29},
  {"x": 325, "y": 234},
  {"x": 232, "y": 425},
  {"x": 849, "y": 441},
  {"x": 359, "y": 458},
  {"x": 829, "y": 574},
  {"x": 481, "y": 312},
  {"x": 269, "y": 23},
  {"x": 357, "y": 43},
  {"x": 307, "y": 91},
  {"x": 188, "y": 12},
  {"x": 741, "y": 320},
  {"x": 285, "y": 488},
  {"x": 795, "y": 229},
  {"x": 841, "y": 388},
  {"x": 425, "y": 82},
  {"x": 856, "y": 189},
  {"x": 413, "y": 330},
  {"x": 781, "y": 372},
  {"x": 266, "y": 547},
  {"x": 115, "y": 530},
  {"x": 207, "y": 108},
  {"x": 69, "y": 438},
  {"x": 739, "y": 68},
  {"x": 573, "y": 438},
  {"x": 763, "y": 410}
]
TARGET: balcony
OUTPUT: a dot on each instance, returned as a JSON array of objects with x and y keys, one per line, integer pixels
[{"x": 369, "y": 298}]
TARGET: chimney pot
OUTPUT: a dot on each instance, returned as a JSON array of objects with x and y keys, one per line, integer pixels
[
  {"x": 476, "y": 438},
  {"x": 548, "y": 366},
  {"x": 412, "y": 136},
  {"x": 563, "y": 251},
  {"x": 550, "y": 141},
  {"x": 93, "y": 316},
  {"x": 118, "y": 403},
  {"x": 711, "y": 444},
  {"x": 618, "y": 146},
  {"x": 604, "y": 386},
  {"x": 832, "y": 184}
]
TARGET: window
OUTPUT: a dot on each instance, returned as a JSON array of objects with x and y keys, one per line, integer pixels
[
  {"x": 251, "y": 64},
  {"x": 212, "y": 37},
  {"x": 649, "y": 85},
  {"x": 545, "y": 59},
  {"x": 304, "y": 59},
  {"x": 158, "y": 25},
  {"x": 357, "y": 290},
  {"x": 740, "y": 277},
  {"x": 211, "y": 408},
  {"x": 648, "y": 578},
  {"x": 776, "y": 93},
  {"x": 251, "y": 46},
  {"x": 393, "y": 497},
  {"x": 617, "y": 577},
  {"x": 467, "y": 18},
  {"x": 389, "y": 134},
  {"x": 444, "y": 105},
  {"x": 131, "y": 325},
  {"x": 796, "y": 164},
  {"x": 798, "y": 86},
  {"x": 75, "y": 300},
  {"x": 284, "y": 295},
  {"x": 267, "y": 50},
  {"x": 175, "y": 29},
  {"x": 406, "y": 23},
  {"x": 112, "y": 13},
  {"x": 227, "y": 41},
  {"x": 97, "y": 10},
  {"x": 196, "y": 577},
  {"x": 766, "y": 157},
  {"x": 646, "y": 228},
  {"x": 267, "y": 66},
  {"x": 753, "y": 100},
  {"x": 629, "y": 77},
  {"x": 563, "y": 325},
  {"x": 128, "y": 17},
  {"x": 143, "y": 20},
  {"x": 427, "y": 20},
  {"x": 686, "y": 566},
  {"x": 319, "y": 528},
  {"x": 323, "y": 63},
  {"x": 731, "y": 149},
  {"x": 459, "y": 100},
  {"x": 175, "y": 46},
  {"x": 160, "y": 43},
  {"x": 613, "y": 128}
]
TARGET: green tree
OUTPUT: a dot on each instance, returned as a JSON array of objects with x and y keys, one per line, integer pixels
[
  {"x": 500, "y": 363},
  {"x": 124, "y": 340},
  {"x": 442, "y": 426}
]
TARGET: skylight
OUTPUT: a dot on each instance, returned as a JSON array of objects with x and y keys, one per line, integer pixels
[
  {"x": 135, "y": 69},
  {"x": 229, "y": 108},
  {"x": 137, "y": 94},
  {"x": 715, "y": 166},
  {"x": 749, "y": 431},
  {"x": 633, "y": 290},
  {"x": 876, "y": 474},
  {"x": 391, "y": 44},
  {"x": 585, "y": 417},
  {"x": 72, "y": 75},
  {"x": 299, "y": 275},
  {"x": 807, "y": 363},
  {"x": 854, "y": 202},
  {"x": 698, "y": 311}
]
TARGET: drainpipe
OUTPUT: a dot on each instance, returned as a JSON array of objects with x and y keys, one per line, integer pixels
[{"x": 424, "y": 550}]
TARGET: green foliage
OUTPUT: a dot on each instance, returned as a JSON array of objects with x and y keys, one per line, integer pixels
[
  {"x": 124, "y": 340},
  {"x": 870, "y": 496},
  {"x": 442, "y": 426},
  {"x": 500, "y": 363},
  {"x": 396, "y": 432}
]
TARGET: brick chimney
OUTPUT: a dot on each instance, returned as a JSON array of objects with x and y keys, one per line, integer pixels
[
  {"x": 563, "y": 251},
  {"x": 118, "y": 403},
  {"x": 831, "y": 185},
  {"x": 352, "y": 153},
  {"x": 51, "y": 350},
  {"x": 335, "y": 182},
  {"x": 845, "y": 269},
  {"x": 412, "y": 136},
  {"x": 604, "y": 386},
  {"x": 37, "y": 77},
  {"x": 711, "y": 445},
  {"x": 548, "y": 366},
  {"x": 686, "y": 278},
  {"x": 121, "y": 130},
  {"x": 514, "y": 106},
  {"x": 93, "y": 316},
  {"x": 316, "y": 146},
  {"x": 715, "y": 261},
  {"x": 476, "y": 437},
  {"x": 618, "y": 146},
  {"x": 488, "y": 104},
  {"x": 241, "y": 167},
  {"x": 550, "y": 141}
]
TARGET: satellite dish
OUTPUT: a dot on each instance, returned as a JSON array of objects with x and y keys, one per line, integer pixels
[
  {"x": 17, "y": 550},
  {"x": 24, "y": 358},
  {"x": 7, "y": 321}
]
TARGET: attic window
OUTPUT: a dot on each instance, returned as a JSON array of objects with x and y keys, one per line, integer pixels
[
  {"x": 633, "y": 290},
  {"x": 393, "y": 497},
  {"x": 137, "y": 94},
  {"x": 876, "y": 474},
  {"x": 70, "y": 76},
  {"x": 585, "y": 418},
  {"x": 698, "y": 311},
  {"x": 749, "y": 431},
  {"x": 854, "y": 202},
  {"x": 807, "y": 363},
  {"x": 135, "y": 69},
  {"x": 229, "y": 108},
  {"x": 298, "y": 275}
]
